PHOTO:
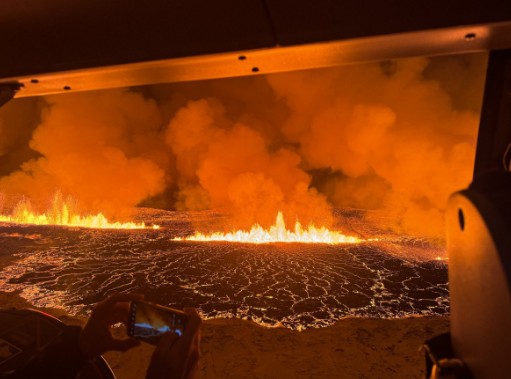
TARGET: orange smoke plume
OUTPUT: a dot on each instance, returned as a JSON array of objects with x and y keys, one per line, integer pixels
[
  {"x": 97, "y": 147},
  {"x": 396, "y": 136}
]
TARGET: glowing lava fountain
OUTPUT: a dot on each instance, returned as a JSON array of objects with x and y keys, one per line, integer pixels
[
  {"x": 277, "y": 233},
  {"x": 61, "y": 214}
]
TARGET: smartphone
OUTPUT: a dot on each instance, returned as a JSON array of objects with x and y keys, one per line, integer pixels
[{"x": 148, "y": 322}]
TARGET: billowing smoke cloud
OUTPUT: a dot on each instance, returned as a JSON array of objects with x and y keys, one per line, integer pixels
[
  {"x": 398, "y": 136},
  {"x": 227, "y": 164},
  {"x": 392, "y": 136},
  {"x": 97, "y": 147},
  {"x": 18, "y": 120}
]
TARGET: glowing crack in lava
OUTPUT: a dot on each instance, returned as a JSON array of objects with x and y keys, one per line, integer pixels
[
  {"x": 297, "y": 286},
  {"x": 61, "y": 214},
  {"x": 277, "y": 233}
]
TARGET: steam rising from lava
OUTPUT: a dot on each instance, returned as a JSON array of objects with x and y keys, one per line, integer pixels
[{"x": 398, "y": 136}]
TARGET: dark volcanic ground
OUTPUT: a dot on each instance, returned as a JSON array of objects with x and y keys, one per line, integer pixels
[{"x": 295, "y": 285}]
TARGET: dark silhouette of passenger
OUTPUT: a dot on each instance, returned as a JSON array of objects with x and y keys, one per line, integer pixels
[{"x": 174, "y": 357}]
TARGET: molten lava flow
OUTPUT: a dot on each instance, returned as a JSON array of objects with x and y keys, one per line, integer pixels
[
  {"x": 61, "y": 214},
  {"x": 277, "y": 233}
]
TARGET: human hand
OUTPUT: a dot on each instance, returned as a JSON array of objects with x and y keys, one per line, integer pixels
[
  {"x": 96, "y": 337},
  {"x": 177, "y": 357}
]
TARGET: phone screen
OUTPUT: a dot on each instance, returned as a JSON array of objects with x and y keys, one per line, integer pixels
[{"x": 148, "y": 322}]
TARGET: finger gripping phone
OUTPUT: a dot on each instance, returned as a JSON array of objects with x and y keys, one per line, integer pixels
[{"x": 148, "y": 322}]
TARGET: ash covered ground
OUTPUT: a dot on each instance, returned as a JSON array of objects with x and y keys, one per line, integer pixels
[{"x": 294, "y": 285}]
